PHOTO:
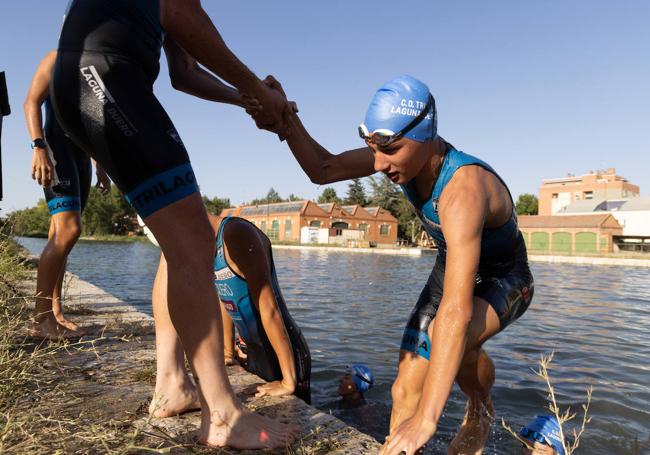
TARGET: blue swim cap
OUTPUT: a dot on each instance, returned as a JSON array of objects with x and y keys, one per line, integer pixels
[
  {"x": 362, "y": 376},
  {"x": 548, "y": 428},
  {"x": 397, "y": 103}
]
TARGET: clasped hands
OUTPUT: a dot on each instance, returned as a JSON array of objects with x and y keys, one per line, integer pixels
[{"x": 270, "y": 108}]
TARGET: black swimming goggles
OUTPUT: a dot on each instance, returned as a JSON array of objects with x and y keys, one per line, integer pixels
[
  {"x": 534, "y": 436},
  {"x": 384, "y": 137}
]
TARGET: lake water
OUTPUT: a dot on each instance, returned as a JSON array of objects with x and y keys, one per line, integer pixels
[{"x": 352, "y": 308}]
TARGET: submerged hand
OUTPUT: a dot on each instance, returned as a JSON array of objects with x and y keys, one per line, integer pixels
[
  {"x": 409, "y": 436},
  {"x": 275, "y": 389}
]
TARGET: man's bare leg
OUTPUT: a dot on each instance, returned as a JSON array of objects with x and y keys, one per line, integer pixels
[
  {"x": 188, "y": 242},
  {"x": 475, "y": 378},
  {"x": 175, "y": 391},
  {"x": 57, "y": 303},
  {"x": 65, "y": 228}
]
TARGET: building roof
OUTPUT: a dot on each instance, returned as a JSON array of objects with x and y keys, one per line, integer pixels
[
  {"x": 279, "y": 207},
  {"x": 310, "y": 208},
  {"x": 583, "y": 206},
  {"x": 568, "y": 221},
  {"x": 327, "y": 207},
  {"x": 636, "y": 203}
]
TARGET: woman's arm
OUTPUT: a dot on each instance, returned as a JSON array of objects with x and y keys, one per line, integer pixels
[
  {"x": 42, "y": 169},
  {"x": 319, "y": 164},
  {"x": 462, "y": 214},
  {"x": 189, "y": 25},
  {"x": 228, "y": 336},
  {"x": 187, "y": 76},
  {"x": 248, "y": 253}
]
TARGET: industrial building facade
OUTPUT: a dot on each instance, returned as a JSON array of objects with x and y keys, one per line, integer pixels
[
  {"x": 599, "y": 212},
  {"x": 555, "y": 194},
  {"x": 284, "y": 221}
]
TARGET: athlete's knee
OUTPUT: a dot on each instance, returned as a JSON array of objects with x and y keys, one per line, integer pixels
[{"x": 67, "y": 231}]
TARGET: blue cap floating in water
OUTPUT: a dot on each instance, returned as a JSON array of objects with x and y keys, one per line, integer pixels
[
  {"x": 362, "y": 376},
  {"x": 544, "y": 429},
  {"x": 397, "y": 103}
]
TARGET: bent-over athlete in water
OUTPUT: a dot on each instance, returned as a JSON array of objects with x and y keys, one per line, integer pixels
[{"x": 252, "y": 302}]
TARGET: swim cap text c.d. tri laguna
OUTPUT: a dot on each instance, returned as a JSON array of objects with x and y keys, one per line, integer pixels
[{"x": 397, "y": 103}]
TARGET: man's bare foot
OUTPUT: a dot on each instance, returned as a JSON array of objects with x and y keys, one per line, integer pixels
[
  {"x": 49, "y": 329},
  {"x": 174, "y": 401},
  {"x": 245, "y": 430},
  {"x": 474, "y": 431}
]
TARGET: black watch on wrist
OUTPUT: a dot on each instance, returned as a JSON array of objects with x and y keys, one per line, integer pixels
[{"x": 38, "y": 143}]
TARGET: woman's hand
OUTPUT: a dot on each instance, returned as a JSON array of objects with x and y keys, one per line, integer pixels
[
  {"x": 103, "y": 184},
  {"x": 275, "y": 389},
  {"x": 42, "y": 168},
  {"x": 409, "y": 436}
]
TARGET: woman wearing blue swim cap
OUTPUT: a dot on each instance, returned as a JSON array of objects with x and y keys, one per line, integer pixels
[{"x": 482, "y": 261}]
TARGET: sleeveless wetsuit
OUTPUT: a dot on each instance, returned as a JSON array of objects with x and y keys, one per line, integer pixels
[
  {"x": 503, "y": 279},
  {"x": 235, "y": 297},
  {"x": 102, "y": 93},
  {"x": 73, "y": 169}
]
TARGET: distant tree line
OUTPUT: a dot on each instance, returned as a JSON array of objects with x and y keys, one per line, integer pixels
[
  {"x": 108, "y": 214},
  {"x": 111, "y": 215}
]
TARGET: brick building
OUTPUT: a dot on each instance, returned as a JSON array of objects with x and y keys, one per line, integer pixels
[
  {"x": 555, "y": 194},
  {"x": 283, "y": 221},
  {"x": 570, "y": 234}
]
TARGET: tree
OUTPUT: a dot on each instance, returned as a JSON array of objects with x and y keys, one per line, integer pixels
[
  {"x": 108, "y": 214},
  {"x": 271, "y": 197},
  {"x": 385, "y": 193},
  {"x": 31, "y": 222},
  {"x": 329, "y": 195},
  {"x": 216, "y": 204},
  {"x": 527, "y": 204},
  {"x": 356, "y": 194}
]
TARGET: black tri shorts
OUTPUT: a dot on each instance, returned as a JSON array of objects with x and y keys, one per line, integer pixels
[
  {"x": 508, "y": 292},
  {"x": 105, "y": 103},
  {"x": 73, "y": 172}
]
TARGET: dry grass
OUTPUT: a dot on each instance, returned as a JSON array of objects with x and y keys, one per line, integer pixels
[
  {"x": 40, "y": 409},
  {"x": 562, "y": 416}
]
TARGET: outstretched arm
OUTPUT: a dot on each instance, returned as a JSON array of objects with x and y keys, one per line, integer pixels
[
  {"x": 320, "y": 165},
  {"x": 462, "y": 215},
  {"x": 42, "y": 169},
  {"x": 187, "y": 76},
  {"x": 189, "y": 25},
  {"x": 249, "y": 254}
]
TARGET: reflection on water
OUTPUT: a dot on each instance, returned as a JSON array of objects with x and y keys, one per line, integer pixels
[{"x": 353, "y": 307}]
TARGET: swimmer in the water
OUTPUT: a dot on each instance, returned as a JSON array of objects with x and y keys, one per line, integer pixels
[
  {"x": 543, "y": 435},
  {"x": 357, "y": 380},
  {"x": 102, "y": 92},
  {"x": 482, "y": 261},
  {"x": 64, "y": 171},
  {"x": 252, "y": 302}
]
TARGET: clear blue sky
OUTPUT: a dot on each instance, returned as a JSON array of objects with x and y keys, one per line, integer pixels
[{"x": 537, "y": 89}]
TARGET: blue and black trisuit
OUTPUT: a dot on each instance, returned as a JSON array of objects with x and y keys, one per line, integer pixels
[
  {"x": 503, "y": 279},
  {"x": 72, "y": 169},
  {"x": 102, "y": 93},
  {"x": 234, "y": 295}
]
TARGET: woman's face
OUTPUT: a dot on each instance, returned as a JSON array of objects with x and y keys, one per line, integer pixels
[
  {"x": 538, "y": 449},
  {"x": 347, "y": 385},
  {"x": 401, "y": 161}
]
